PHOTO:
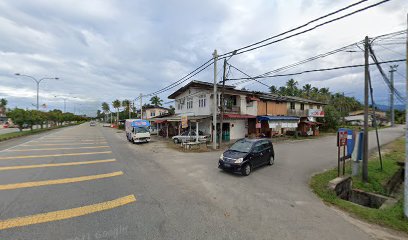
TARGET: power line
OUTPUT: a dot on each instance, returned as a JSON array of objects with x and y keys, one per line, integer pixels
[
  {"x": 231, "y": 53},
  {"x": 342, "y": 49},
  {"x": 182, "y": 80},
  {"x": 314, "y": 70},
  {"x": 296, "y": 28},
  {"x": 302, "y": 32}
]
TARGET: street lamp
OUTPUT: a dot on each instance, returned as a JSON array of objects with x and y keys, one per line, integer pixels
[{"x": 38, "y": 81}]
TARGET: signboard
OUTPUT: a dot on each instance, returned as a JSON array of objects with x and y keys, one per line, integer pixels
[
  {"x": 184, "y": 122},
  {"x": 315, "y": 113},
  {"x": 258, "y": 125},
  {"x": 140, "y": 123},
  {"x": 342, "y": 138}
]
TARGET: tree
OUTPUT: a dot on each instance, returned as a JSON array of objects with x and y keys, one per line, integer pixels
[
  {"x": 307, "y": 89},
  {"x": 126, "y": 105},
  {"x": 291, "y": 87},
  {"x": 273, "y": 89},
  {"x": 156, "y": 101},
  {"x": 331, "y": 117},
  {"x": 3, "y": 104},
  {"x": 172, "y": 110},
  {"x": 116, "y": 105},
  {"x": 19, "y": 117},
  {"x": 105, "y": 109}
]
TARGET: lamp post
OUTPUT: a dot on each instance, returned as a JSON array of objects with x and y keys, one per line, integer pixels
[{"x": 38, "y": 81}]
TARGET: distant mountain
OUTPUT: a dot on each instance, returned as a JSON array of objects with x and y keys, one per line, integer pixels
[{"x": 387, "y": 107}]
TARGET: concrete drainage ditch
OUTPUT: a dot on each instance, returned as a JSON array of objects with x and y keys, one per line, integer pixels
[{"x": 343, "y": 187}]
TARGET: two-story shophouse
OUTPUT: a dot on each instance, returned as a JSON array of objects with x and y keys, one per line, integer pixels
[
  {"x": 279, "y": 115},
  {"x": 195, "y": 100},
  {"x": 247, "y": 113}
]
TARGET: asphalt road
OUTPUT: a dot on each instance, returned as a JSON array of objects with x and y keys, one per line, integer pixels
[{"x": 89, "y": 183}]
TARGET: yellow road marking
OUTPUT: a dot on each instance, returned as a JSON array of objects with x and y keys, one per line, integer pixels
[
  {"x": 50, "y": 149},
  {"x": 53, "y": 155},
  {"x": 58, "y": 181},
  {"x": 55, "y": 164},
  {"x": 68, "y": 140},
  {"x": 61, "y": 144},
  {"x": 66, "y": 214}
]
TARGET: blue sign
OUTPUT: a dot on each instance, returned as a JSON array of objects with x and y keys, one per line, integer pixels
[
  {"x": 140, "y": 123},
  {"x": 351, "y": 140},
  {"x": 360, "y": 146}
]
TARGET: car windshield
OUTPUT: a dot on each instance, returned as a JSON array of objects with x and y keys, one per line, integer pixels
[
  {"x": 141, "y": 130},
  {"x": 242, "y": 146}
]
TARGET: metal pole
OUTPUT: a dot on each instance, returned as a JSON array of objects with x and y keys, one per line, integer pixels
[
  {"x": 197, "y": 131},
  {"x": 392, "y": 70},
  {"x": 215, "y": 98},
  {"x": 222, "y": 100},
  {"x": 38, "y": 92},
  {"x": 141, "y": 107},
  {"x": 406, "y": 132},
  {"x": 365, "y": 146}
]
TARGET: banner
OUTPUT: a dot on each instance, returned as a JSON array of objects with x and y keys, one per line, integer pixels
[
  {"x": 184, "y": 122},
  {"x": 315, "y": 113}
]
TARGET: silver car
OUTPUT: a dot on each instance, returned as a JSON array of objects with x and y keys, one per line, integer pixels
[{"x": 190, "y": 137}]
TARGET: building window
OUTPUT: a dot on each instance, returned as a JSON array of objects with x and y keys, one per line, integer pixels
[
  {"x": 152, "y": 113},
  {"x": 302, "y": 106},
  {"x": 189, "y": 103},
  {"x": 292, "y": 106},
  {"x": 318, "y": 106},
  {"x": 201, "y": 101}
]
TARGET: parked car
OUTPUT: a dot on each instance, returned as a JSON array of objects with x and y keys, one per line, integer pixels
[
  {"x": 246, "y": 154},
  {"x": 92, "y": 123},
  {"x": 189, "y": 136},
  {"x": 106, "y": 125}
]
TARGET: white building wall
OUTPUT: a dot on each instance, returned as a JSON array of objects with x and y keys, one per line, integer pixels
[
  {"x": 252, "y": 108},
  {"x": 238, "y": 128},
  {"x": 195, "y": 110}
]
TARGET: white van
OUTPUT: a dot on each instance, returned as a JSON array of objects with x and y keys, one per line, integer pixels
[{"x": 137, "y": 130}]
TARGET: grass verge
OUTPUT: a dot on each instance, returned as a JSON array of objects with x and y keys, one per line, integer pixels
[
  {"x": 392, "y": 216},
  {"x": 7, "y": 136}
]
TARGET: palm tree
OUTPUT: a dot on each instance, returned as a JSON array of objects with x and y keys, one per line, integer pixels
[
  {"x": 116, "y": 104},
  {"x": 307, "y": 88},
  {"x": 126, "y": 105},
  {"x": 105, "y": 109},
  {"x": 3, "y": 104},
  {"x": 156, "y": 101},
  {"x": 273, "y": 89},
  {"x": 291, "y": 87}
]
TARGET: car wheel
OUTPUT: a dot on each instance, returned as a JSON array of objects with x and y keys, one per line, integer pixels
[
  {"x": 271, "y": 160},
  {"x": 176, "y": 141},
  {"x": 246, "y": 170}
]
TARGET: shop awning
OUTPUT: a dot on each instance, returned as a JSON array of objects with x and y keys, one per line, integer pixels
[
  {"x": 160, "y": 121},
  {"x": 311, "y": 123},
  {"x": 277, "y": 118},
  {"x": 239, "y": 116},
  {"x": 176, "y": 118}
]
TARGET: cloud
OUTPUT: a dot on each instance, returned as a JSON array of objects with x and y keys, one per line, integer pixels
[{"x": 103, "y": 50}]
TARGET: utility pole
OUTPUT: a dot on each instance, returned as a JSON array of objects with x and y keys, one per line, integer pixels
[
  {"x": 222, "y": 99},
  {"x": 141, "y": 107},
  {"x": 215, "y": 98},
  {"x": 393, "y": 68},
  {"x": 406, "y": 132},
  {"x": 65, "y": 105},
  {"x": 365, "y": 145}
]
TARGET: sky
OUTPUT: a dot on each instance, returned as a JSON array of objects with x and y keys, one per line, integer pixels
[{"x": 102, "y": 50}]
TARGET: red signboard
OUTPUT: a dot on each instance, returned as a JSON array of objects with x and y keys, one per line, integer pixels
[
  {"x": 315, "y": 113},
  {"x": 341, "y": 138}
]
